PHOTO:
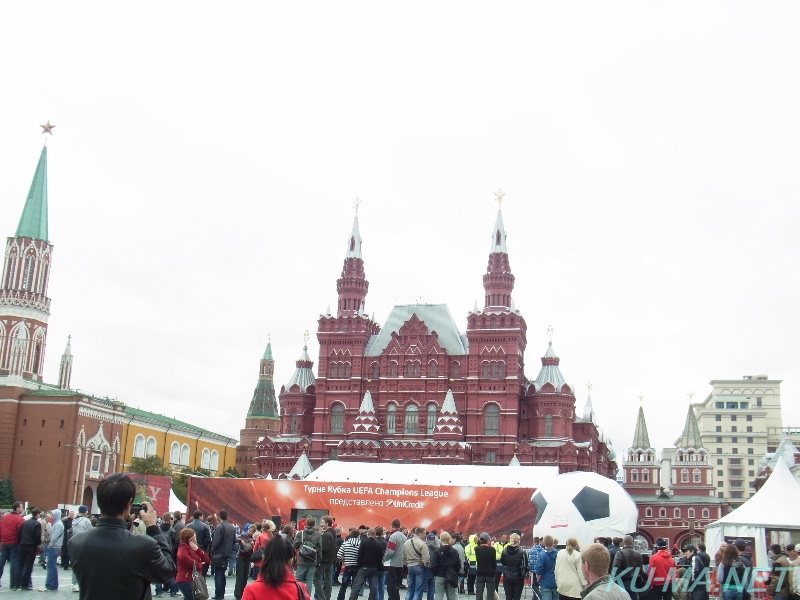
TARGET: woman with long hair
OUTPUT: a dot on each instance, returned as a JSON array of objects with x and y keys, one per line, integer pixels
[
  {"x": 569, "y": 574},
  {"x": 276, "y": 581},
  {"x": 731, "y": 574},
  {"x": 190, "y": 557}
]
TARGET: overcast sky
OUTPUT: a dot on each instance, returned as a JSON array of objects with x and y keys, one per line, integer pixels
[{"x": 207, "y": 156}]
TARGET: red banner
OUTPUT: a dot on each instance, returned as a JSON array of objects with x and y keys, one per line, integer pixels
[
  {"x": 445, "y": 508},
  {"x": 154, "y": 489}
]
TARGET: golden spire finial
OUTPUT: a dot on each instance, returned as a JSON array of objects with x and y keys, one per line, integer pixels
[
  {"x": 550, "y": 331},
  {"x": 356, "y": 204},
  {"x": 641, "y": 397},
  {"x": 589, "y": 386},
  {"x": 691, "y": 395},
  {"x": 306, "y": 338},
  {"x": 499, "y": 196}
]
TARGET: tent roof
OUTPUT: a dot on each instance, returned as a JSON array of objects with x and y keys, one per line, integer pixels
[
  {"x": 456, "y": 475},
  {"x": 175, "y": 504},
  {"x": 769, "y": 508}
]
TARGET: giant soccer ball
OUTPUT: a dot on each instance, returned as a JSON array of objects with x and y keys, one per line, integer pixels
[{"x": 584, "y": 506}]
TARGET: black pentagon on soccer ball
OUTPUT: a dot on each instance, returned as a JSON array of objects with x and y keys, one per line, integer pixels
[
  {"x": 592, "y": 504},
  {"x": 540, "y": 503}
]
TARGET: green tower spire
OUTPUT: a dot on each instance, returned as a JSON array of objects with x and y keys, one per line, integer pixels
[
  {"x": 264, "y": 405},
  {"x": 33, "y": 223}
]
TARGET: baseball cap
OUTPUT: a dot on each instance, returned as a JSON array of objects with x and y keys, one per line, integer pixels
[
  {"x": 83, "y": 509},
  {"x": 740, "y": 543},
  {"x": 661, "y": 544},
  {"x": 484, "y": 537},
  {"x": 431, "y": 536},
  {"x": 790, "y": 547},
  {"x": 363, "y": 527}
]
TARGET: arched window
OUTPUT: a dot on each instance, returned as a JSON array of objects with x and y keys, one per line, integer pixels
[
  {"x": 205, "y": 460},
  {"x": 684, "y": 475},
  {"x": 184, "y": 462},
  {"x": 690, "y": 513},
  {"x": 432, "y": 368},
  {"x": 175, "y": 454},
  {"x": 412, "y": 368},
  {"x": 412, "y": 419},
  {"x": 27, "y": 278},
  {"x": 662, "y": 512},
  {"x": 337, "y": 419},
  {"x": 138, "y": 446},
  {"x": 706, "y": 513},
  {"x": 491, "y": 420},
  {"x": 346, "y": 367},
  {"x": 431, "y": 425},
  {"x": 293, "y": 425},
  {"x": 214, "y": 460},
  {"x": 151, "y": 446},
  {"x": 677, "y": 513},
  {"x": 393, "y": 369},
  {"x": 696, "y": 476},
  {"x": 646, "y": 475},
  {"x": 648, "y": 512},
  {"x": 455, "y": 370},
  {"x": 391, "y": 418},
  {"x": 375, "y": 371},
  {"x": 486, "y": 369},
  {"x": 548, "y": 425},
  {"x": 634, "y": 475}
]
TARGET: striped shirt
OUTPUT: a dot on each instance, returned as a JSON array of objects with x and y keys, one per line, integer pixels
[{"x": 348, "y": 551}]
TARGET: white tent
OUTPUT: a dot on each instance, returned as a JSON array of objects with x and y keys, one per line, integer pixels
[
  {"x": 770, "y": 509},
  {"x": 175, "y": 504},
  {"x": 455, "y": 475}
]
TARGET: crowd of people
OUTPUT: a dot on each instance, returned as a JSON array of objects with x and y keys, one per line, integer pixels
[{"x": 130, "y": 548}]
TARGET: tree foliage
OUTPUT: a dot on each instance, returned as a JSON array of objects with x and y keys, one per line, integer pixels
[
  {"x": 180, "y": 482},
  {"x": 6, "y": 492},
  {"x": 152, "y": 465},
  {"x": 232, "y": 472}
]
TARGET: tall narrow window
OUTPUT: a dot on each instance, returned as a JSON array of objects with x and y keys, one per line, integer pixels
[
  {"x": 393, "y": 369},
  {"x": 151, "y": 446},
  {"x": 214, "y": 460},
  {"x": 431, "y": 419},
  {"x": 293, "y": 426},
  {"x": 548, "y": 425},
  {"x": 455, "y": 370},
  {"x": 391, "y": 419},
  {"x": 175, "y": 454},
  {"x": 27, "y": 279},
  {"x": 205, "y": 460},
  {"x": 185, "y": 455},
  {"x": 491, "y": 417},
  {"x": 684, "y": 475},
  {"x": 412, "y": 419},
  {"x": 696, "y": 476},
  {"x": 337, "y": 419},
  {"x": 376, "y": 371},
  {"x": 138, "y": 446},
  {"x": 634, "y": 475},
  {"x": 432, "y": 368}
]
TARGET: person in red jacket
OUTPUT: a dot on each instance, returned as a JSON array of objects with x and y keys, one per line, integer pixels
[
  {"x": 662, "y": 573},
  {"x": 190, "y": 557},
  {"x": 276, "y": 581},
  {"x": 9, "y": 539}
]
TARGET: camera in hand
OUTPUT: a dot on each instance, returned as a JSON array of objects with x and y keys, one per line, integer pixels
[{"x": 135, "y": 508}]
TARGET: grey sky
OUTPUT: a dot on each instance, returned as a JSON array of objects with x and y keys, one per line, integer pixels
[{"x": 206, "y": 159}]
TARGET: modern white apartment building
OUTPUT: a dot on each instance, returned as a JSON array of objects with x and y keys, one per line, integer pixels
[{"x": 739, "y": 422}]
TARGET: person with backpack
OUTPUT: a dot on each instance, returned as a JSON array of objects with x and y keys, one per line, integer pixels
[
  {"x": 445, "y": 565},
  {"x": 515, "y": 565},
  {"x": 731, "y": 574},
  {"x": 308, "y": 544}
]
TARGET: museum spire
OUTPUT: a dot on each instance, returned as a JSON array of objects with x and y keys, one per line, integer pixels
[
  {"x": 498, "y": 281},
  {"x": 352, "y": 285}
]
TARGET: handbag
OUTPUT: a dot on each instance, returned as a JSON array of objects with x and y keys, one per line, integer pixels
[
  {"x": 199, "y": 587},
  {"x": 307, "y": 551}
]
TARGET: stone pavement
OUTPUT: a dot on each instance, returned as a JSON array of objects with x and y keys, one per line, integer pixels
[{"x": 65, "y": 587}]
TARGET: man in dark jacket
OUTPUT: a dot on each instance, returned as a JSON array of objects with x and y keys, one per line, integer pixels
[
  {"x": 515, "y": 567},
  {"x": 203, "y": 533},
  {"x": 110, "y": 562},
  {"x": 221, "y": 549},
  {"x": 308, "y": 543},
  {"x": 370, "y": 560},
  {"x": 486, "y": 565},
  {"x": 323, "y": 576},
  {"x": 30, "y": 536},
  {"x": 626, "y": 567}
]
